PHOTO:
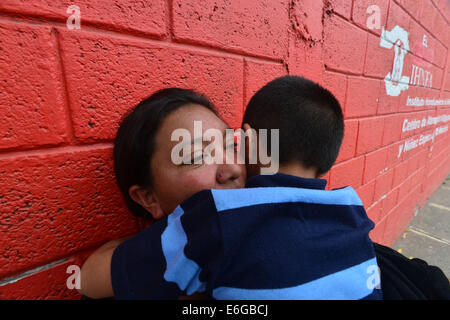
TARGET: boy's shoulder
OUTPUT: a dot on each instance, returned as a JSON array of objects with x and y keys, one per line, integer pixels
[{"x": 226, "y": 199}]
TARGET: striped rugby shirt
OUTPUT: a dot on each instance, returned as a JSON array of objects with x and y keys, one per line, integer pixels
[{"x": 281, "y": 237}]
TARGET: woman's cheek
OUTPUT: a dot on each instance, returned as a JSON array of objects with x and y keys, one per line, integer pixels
[{"x": 201, "y": 178}]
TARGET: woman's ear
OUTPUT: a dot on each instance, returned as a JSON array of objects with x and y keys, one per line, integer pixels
[{"x": 147, "y": 199}]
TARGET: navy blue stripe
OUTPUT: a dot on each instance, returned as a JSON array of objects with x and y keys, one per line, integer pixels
[
  {"x": 352, "y": 283},
  {"x": 281, "y": 239},
  {"x": 285, "y": 180},
  {"x": 138, "y": 265}
]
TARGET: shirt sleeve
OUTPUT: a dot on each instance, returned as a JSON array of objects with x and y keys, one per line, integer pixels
[
  {"x": 170, "y": 258},
  {"x": 138, "y": 265},
  {"x": 405, "y": 279}
]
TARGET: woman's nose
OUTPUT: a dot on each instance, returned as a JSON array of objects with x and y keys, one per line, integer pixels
[{"x": 228, "y": 172}]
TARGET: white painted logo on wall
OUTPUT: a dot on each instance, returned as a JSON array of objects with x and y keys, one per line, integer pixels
[
  {"x": 421, "y": 75},
  {"x": 395, "y": 81}
]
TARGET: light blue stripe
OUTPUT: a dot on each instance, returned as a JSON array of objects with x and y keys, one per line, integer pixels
[
  {"x": 179, "y": 269},
  {"x": 226, "y": 199},
  {"x": 350, "y": 284}
]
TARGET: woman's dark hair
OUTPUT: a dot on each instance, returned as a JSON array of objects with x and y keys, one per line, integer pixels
[
  {"x": 134, "y": 145},
  {"x": 309, "y": 119}
]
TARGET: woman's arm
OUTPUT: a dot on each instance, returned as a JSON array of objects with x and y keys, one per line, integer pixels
[
  {"x": 137, "y": 265},
  {"x": 96, "y": 274},
  {"x": 96, "y": 271}
]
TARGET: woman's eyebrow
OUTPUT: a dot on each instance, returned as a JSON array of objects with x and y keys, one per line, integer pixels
[
  {"x": 197, "y": 140},
  {"x": 201, "y": 141}
]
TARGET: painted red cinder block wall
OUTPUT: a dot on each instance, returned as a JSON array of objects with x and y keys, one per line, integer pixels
[{"x": 63, "y": 91}]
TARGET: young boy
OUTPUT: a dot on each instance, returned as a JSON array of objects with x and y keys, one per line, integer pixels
[{"x": 282, "y": 237}]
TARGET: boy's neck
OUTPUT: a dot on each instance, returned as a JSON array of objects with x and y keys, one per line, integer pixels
[{"x": 298, "y": 171}]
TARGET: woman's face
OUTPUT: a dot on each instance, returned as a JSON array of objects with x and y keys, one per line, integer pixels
[{"x": 174, "y": 183}]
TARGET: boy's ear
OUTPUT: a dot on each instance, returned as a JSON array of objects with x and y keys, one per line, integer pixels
[
  {"x": 251, "y": 151},
  {"x": 246, "y": 127},
  {"x": 147, "y": 199}
]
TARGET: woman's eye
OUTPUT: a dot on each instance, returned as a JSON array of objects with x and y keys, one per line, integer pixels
[
  {"x": 197, "y": 160},
  {"x": 194, "y": 158},
  {"x": 232, "y": 145}
]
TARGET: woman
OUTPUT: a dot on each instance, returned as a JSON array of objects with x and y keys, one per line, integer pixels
[
  {"x": 153, "y": 186},
  {"x": 151, "y": 183}
]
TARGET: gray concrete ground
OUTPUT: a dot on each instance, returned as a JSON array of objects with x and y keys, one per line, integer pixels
[{"x": 428, "y": 235}]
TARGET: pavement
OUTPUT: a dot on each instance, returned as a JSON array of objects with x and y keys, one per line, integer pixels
[{"x": 428, "y": 235}]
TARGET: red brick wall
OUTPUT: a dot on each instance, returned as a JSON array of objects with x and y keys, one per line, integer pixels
[{"x": 62, "y": 92}]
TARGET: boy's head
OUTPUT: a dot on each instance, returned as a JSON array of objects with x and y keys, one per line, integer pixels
[{"x": 309, "y": 119}]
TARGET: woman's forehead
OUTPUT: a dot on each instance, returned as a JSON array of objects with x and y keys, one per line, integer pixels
[{"x": 190, "y": 117}]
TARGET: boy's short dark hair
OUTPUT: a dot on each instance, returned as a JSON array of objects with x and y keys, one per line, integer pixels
[{"x": 309, "y": 119}]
